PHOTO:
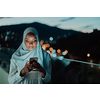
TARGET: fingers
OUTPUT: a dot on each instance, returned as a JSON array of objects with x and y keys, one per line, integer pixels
[
  {"x": 30, "y": 67},
  {"x": 27, "y": 63},
  {"x": 35, "y": 64}
]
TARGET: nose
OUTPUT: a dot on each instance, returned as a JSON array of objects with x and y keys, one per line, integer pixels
[{"x": 31, "y": 44}]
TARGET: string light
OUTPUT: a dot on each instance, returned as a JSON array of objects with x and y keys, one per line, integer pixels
[
  {"x": 5, "y": 38},
  {"x": 53, "y": 51},
  {"x": 58, "y": 51},
  {"x": 7, "y": 45},
  {"x": 13, "y": 33},
  {"x": 41, "y": 42},
  {"x": 66, "y": 51},
  {"x": 50, "y": 48},
  {"x": 60, "y": 57},
  {"x": 47, "y": 45},
  {"x": 51, "y": 38},
  {"x": 88, "y": 55},
  {"x": 91, "y": 61},
  {"x": 44, "y": 47},
  {"x": 7, "y": 33},
  {"x": 12, "y": 37}
]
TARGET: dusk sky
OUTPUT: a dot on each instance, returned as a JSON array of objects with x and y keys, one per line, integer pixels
[{"x": 84, "y": 24}]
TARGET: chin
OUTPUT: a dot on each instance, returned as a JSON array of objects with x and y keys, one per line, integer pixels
[{"x": 31, "y": 49}]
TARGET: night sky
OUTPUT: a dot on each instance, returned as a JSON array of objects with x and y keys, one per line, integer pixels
[{"x": 83, "y": 24}]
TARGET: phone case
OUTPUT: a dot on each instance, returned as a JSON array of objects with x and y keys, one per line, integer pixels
[{"x": 33, "y": 59}]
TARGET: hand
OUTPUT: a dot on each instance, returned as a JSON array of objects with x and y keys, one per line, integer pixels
[
  {"x": 38, "y": 67},
  {"x": 27, "y": 68}
]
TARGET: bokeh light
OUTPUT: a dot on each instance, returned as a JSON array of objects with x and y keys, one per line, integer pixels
[
  {"x": 41, "y": 42},
  {"x": 13, "y": 33},
  {"x": 50, "y": 48},
  {"x": 51, "y": 38},
  {"x": 58, "y": 51},
  {"x": 66, "y": 51},
  {"x": 12, "y": 37},
  {"x": 7, "y": 45},
  {"x": 88, "y": 55},
  {"x": 44, "y": 47}
]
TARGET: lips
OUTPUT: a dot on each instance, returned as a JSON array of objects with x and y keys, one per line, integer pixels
[{"x": 31, "y": 47}]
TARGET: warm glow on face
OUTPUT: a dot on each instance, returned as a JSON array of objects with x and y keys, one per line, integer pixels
[
  {"x": 50, "y": 48},
  {"x": 30, "y": 41},
  {"x": 0, "y": 45},
  {"x": 58, "y": 51}
]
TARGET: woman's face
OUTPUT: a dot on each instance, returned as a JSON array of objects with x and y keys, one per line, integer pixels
[{"x": 30, "y": 41}]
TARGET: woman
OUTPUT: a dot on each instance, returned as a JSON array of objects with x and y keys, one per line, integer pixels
[{"x": 21, "y": 71}]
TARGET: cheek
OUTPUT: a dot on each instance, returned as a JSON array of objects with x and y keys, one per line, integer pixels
[
  {"x": 26, "y": 44},
  {"x": 35, "y": 44}
]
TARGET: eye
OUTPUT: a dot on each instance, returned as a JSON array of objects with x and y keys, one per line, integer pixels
[
  {"x": 35, "y": 41},
  {"x": 27, "y": 41}
]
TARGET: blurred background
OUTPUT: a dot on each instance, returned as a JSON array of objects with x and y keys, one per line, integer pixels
[{"x": 73, "y": 43}]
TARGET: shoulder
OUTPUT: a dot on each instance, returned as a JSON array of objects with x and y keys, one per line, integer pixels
[{"x": 13, "y": 61}]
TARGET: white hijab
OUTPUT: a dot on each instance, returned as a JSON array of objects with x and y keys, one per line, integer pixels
[{"x": 22, "y": 53}]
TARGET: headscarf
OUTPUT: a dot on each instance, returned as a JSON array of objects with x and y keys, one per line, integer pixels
[{"x": 22, "y": 53}]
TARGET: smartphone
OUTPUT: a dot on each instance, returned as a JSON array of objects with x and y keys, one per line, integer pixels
[{"x": 33, "y": 59}]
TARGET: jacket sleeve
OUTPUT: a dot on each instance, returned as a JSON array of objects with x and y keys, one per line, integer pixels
[
  {"x": 47, "y": 67},
  {"x": 14, "y": 76}
]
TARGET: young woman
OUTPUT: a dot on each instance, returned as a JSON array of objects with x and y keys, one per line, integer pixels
[{"x": 21, "y": 71}]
